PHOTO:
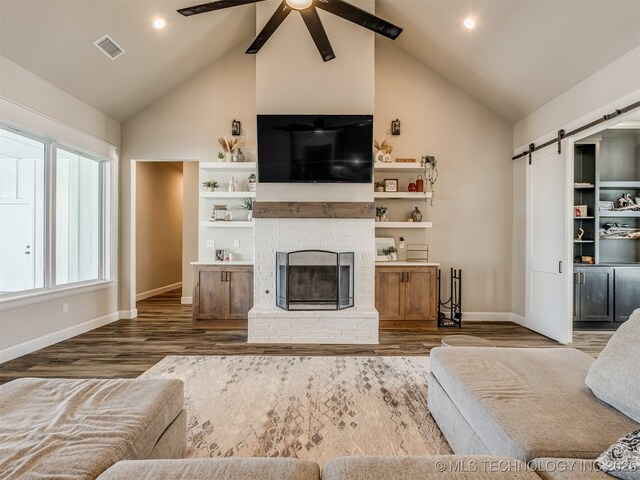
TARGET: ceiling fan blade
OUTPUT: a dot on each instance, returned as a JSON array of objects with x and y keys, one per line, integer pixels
[
  {"x": 210, "y": 7},
  {"x": 314, "y": 25},
  {"x": 272, "y": 25},
  {"x": 360, "y": 17}
]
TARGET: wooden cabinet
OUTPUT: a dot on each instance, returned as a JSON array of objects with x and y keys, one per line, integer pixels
[
  {"x": 593, "y": 296},
  {"x": 222, "y": 292},
  {"x": 407, "y": 293},
  {"x": 626, "y": 292}
]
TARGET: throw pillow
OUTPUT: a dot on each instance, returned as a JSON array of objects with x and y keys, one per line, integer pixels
[
  {"x": 615, "y": 377},
  {"x": 622, "y": 459}
]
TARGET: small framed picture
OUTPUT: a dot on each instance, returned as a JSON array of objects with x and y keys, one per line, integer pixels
[
  {"x": 580, "y": 211},
  {"x": 395, "y": 127},
  {"x": 390, "y": 184},
  {"x": 587, "y": 259},
  {"x": 219, "y": 255},
  {"x": 383, "y": 243},
  {"x": 236, "y": 128},
  {"x": 605, "y": 206}
]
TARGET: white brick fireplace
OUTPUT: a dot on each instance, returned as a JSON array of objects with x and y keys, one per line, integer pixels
[{"x": 270, "y": 324}]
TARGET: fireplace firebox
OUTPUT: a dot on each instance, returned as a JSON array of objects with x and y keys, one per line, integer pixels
[{"x": 314, "y": 280}]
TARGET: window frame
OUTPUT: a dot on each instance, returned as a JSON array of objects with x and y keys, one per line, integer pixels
[{"x": 106, "y": 224}]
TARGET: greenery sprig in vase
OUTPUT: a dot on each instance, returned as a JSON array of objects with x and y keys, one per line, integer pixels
[
  {"x": 247, "y": 204},
  {"x": 431, "y": 166},
  {"x": 211, "y": 185}
]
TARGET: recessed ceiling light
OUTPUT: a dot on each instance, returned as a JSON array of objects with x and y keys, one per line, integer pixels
[
  {"x": 159, "y": 24},
  {"x": 469, "y": 23}
]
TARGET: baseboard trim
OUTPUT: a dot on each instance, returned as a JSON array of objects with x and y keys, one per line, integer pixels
[
  {"x": 128, "y": 314},
  {"x": 56, "y": 337},
  {"x": 186, "y": 300},
  {"x": 157, "y": 291},
  {"x": 488, "y": 317}
]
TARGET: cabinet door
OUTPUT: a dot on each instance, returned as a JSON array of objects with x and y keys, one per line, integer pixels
[
  {"x": 627, "y": 292},
  {"x": 240, "y": 283},
  {"x": 420, "y": 294},
  {"x": 596, "y": 295},
  {"x": 210, "y": 294},
  {"x": 390, "y": 293}
]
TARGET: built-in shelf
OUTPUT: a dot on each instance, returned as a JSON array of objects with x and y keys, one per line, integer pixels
[
  {"x": 618, "y": 238},
  {"x": 228, "y": 166},
  {"x": 584, "y": 241},
  {"x": 227, "y": 194},
  {"x": 404, "y": 225},
  {"x": 222, "y": 224},
  {"x": 621, "y": 185},
  {"x": 583, "y": 186},
  {"x": 398, "y": 167},
  {"x": 583, "y": 218},
  {"x": 611, "y": 213},
  {"x": 413, "y": 195}
]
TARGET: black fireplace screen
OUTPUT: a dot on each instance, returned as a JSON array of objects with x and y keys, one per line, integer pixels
[{"x": 314, "y": 280}]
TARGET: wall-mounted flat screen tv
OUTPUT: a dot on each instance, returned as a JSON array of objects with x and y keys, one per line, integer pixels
[{"x": 315, "y": 148}]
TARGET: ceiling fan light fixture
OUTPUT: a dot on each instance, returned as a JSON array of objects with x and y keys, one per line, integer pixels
[{"x": 299, "y": 4}]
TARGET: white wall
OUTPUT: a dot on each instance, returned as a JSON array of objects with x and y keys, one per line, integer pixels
[
  {"x": 37, "y": 105},
  {"x": 614, "y": 86},
  {"x": 184, "y": 125},
  {"x": 291, "y": 77},
  {"x": 471, "y": 211}
]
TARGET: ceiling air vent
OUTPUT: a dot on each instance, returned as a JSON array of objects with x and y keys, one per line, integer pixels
[{"x": 109, "y": 47}]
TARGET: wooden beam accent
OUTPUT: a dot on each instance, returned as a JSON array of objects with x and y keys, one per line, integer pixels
[{"x": 314, "y": 210}]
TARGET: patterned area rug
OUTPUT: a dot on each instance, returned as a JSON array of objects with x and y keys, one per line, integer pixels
[{"x": 312, "y": 408}]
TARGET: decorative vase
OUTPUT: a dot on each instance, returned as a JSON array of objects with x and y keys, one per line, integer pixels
[
  {"x": 416, "y": 215},
  {"x": 228, "y": 157},
  {"x": 380, "y": 156},
  {"x": 419, "y": 184},
  {"x": 385, "y": 217},
  {"x": 412, "y": 186},
  {"x": 379, "y": 189},
  {"x": 387, "y": 158},
  {"x": 250, "y": 216},
  {"x": 251, "y": 186},
  {"x": 232, "y": 184},
  {"x": 234, "y": 156}
]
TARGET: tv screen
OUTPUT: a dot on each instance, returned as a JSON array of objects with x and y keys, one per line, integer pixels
[{"x": 315, "y": 148}]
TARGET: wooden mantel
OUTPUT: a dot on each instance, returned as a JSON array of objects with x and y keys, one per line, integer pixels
[{"x": 314, "y": 210}]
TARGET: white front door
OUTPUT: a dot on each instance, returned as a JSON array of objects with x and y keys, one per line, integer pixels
[
  {"x": 17, "y": 250},
  {"x": 546, "y": 245}
]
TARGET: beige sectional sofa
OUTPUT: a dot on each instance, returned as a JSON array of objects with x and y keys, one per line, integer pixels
[
  {"x": 76, "y": 429},
  {"x": 532, "y": 403}
]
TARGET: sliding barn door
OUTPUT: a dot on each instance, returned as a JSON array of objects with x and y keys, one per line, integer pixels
[{"x": 546, "y": 245}]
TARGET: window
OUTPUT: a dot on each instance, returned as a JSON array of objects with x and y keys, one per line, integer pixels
[
  {"x": 22, "y": 212},
  {"x": 77, "y": 218},
  {"x": 54, "y": 215}
]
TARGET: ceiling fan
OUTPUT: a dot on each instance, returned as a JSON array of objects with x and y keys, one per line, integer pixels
[{"x": 308, "y": 11}]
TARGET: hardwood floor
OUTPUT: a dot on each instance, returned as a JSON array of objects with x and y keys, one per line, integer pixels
[{"x": 127, "y": 348}]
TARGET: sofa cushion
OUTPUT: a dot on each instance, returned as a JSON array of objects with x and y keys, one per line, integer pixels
[
  {"x": 529, "y": 402},
  {"x": 450, "y": 467},
  {"x": 69, "y": 428},
  {"x": 567, "y": 469},
  {"x": 214, "y": 469},
  {"x": 615, "y": 375},
  {"x": 622, "y": 459}
]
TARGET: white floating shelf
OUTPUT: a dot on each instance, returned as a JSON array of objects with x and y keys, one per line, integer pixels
[
  {"x": 413, "y": 195},
  {"x": 228, "y": 166},
  {"x": 227, "y": 194},
  {"x": 404, "y": 225},
  {"x": 222, "y": 224},
  {"x": 394, "y": 167}
]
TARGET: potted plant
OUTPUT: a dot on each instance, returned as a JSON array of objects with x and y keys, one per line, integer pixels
[
  {"x": 379, "y": 186},
  {"x": 220, "y": 156},
  {"x": 381, "y": 214},
  {"x": 211, "y": 185},
  {"x": 431, "y": 165},
  {"x": 251, "y": 185},
  {"x": 229, "y": 147},
  {"x": 247, "y": 204},
  {"x": 391, "y": 253}
]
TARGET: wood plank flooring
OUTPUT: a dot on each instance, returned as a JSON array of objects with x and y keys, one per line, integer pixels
[{"x": 164, "y": 327}]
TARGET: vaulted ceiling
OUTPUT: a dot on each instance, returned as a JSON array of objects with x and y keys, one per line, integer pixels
[{"x": 522, "y": 53}]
